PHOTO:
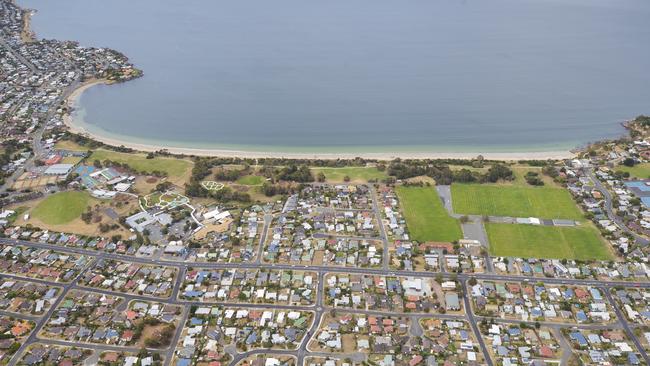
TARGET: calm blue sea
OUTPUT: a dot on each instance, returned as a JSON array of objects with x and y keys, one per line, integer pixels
[{"x": 364, "y": 75}]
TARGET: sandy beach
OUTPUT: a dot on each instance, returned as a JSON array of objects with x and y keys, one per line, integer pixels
[
  {"x": 73, "y": 99},
  {"x": 27, "y": 35}
]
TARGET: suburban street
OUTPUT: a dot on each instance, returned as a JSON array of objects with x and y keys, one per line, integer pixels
[
  {"x": 609, "y": 208},
  {"x": 319, "y": 308}
]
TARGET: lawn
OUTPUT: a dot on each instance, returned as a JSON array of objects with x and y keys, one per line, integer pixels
[
  {"x": 530, "y": 241},
  {"x": 356, "y": 174},
  {"x": 520, "y": 179},
  {"x": 426, "y": 217},
  {"x": 250, "y": 180},
  {"x": 71, "y": 160},
  {"x": 638, "y": 171},
  {"x": 61, "y": 208},
  {"x": 174, "y": 168},
  {"x": 501, "y": 200},
  {"x": 69, "y": 145}
]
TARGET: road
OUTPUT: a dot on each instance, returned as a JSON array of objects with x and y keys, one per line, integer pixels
[
  {"x": 382, "y": 230},
  {"x": 474, "y": 230},
  {"x": 43, "y": 320},
  {"x": 37, "y": 139},
  {"x": 333, "y": 269},
  {"x": 268, "y": 219},
  {"x": 626, "y": 326},
  {"x": 609, "y": 208},
  {"x": 472, "y": 322},
  {"x": 37, "y": 135},
  {"x": 318, "y": 308}
]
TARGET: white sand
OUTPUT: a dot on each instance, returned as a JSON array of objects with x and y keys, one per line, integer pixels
[{"x": 72, "y": 100}]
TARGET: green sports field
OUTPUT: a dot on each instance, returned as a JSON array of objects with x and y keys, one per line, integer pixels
[
  {"x": 174, "y": 168},
  {"x": 504, "y": 200},
  {"x": 426, "y": 217},
  {"x": 356, "y": 174},
  {"x": 529, "y": 241},
  {"x": 61, "y": 208}
]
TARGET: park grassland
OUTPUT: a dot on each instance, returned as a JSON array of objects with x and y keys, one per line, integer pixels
[
  {"x": 504, "y": 200},
  {"x": 641, "y": 171},
  {"x": 70, "y": 146},
  {"x": 426, "y": 217},
  {"x": 356, "y": 174},
  {"x": 173, "y": 167},
  {"x": 250, "y": 180},
  {"x": 61, "y": 208},
  {"x": 549, "y": 242}
]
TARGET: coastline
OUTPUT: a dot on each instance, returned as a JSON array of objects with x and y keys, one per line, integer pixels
[
  {"x": 73, "y": 99},
  {"x": 27, "y": 35},
  {"x": 72, "y": 102}
]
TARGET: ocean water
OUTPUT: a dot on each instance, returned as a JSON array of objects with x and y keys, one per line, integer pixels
[{"x": 363, "y": 75}]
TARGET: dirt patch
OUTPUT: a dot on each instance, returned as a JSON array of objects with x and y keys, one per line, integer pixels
[
  {"x": 144, "y": 185},
  {"x": 422, "y": 179},
  {"x": 349, "y": 343},
  {"x": 27, "y": 180},
  {"x": 318, "y": 258},
  {"x": 213, "y": 228},
  {"x": 151, "y": 331}
]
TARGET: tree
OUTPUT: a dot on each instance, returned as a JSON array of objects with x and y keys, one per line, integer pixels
[
  {"x": 643, "y": 120},
  {"x": 87, "y": 215},
  {"x": 294, "y": 173},
  {"x": 346, "y": 178},
  {"x": 533, "y": 179},
  {"x": 321, "y": 177},
  {"x": 464, "y": 176},
  {"x": 498, "y": 172},
  {"x": 629, "y": 162},
  {"x": 550, "y": 171}
]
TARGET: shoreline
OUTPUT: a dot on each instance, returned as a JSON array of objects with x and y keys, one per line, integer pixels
[
  {"x": 27, "y": 35},
  {"x": 73, "y": 99}
]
